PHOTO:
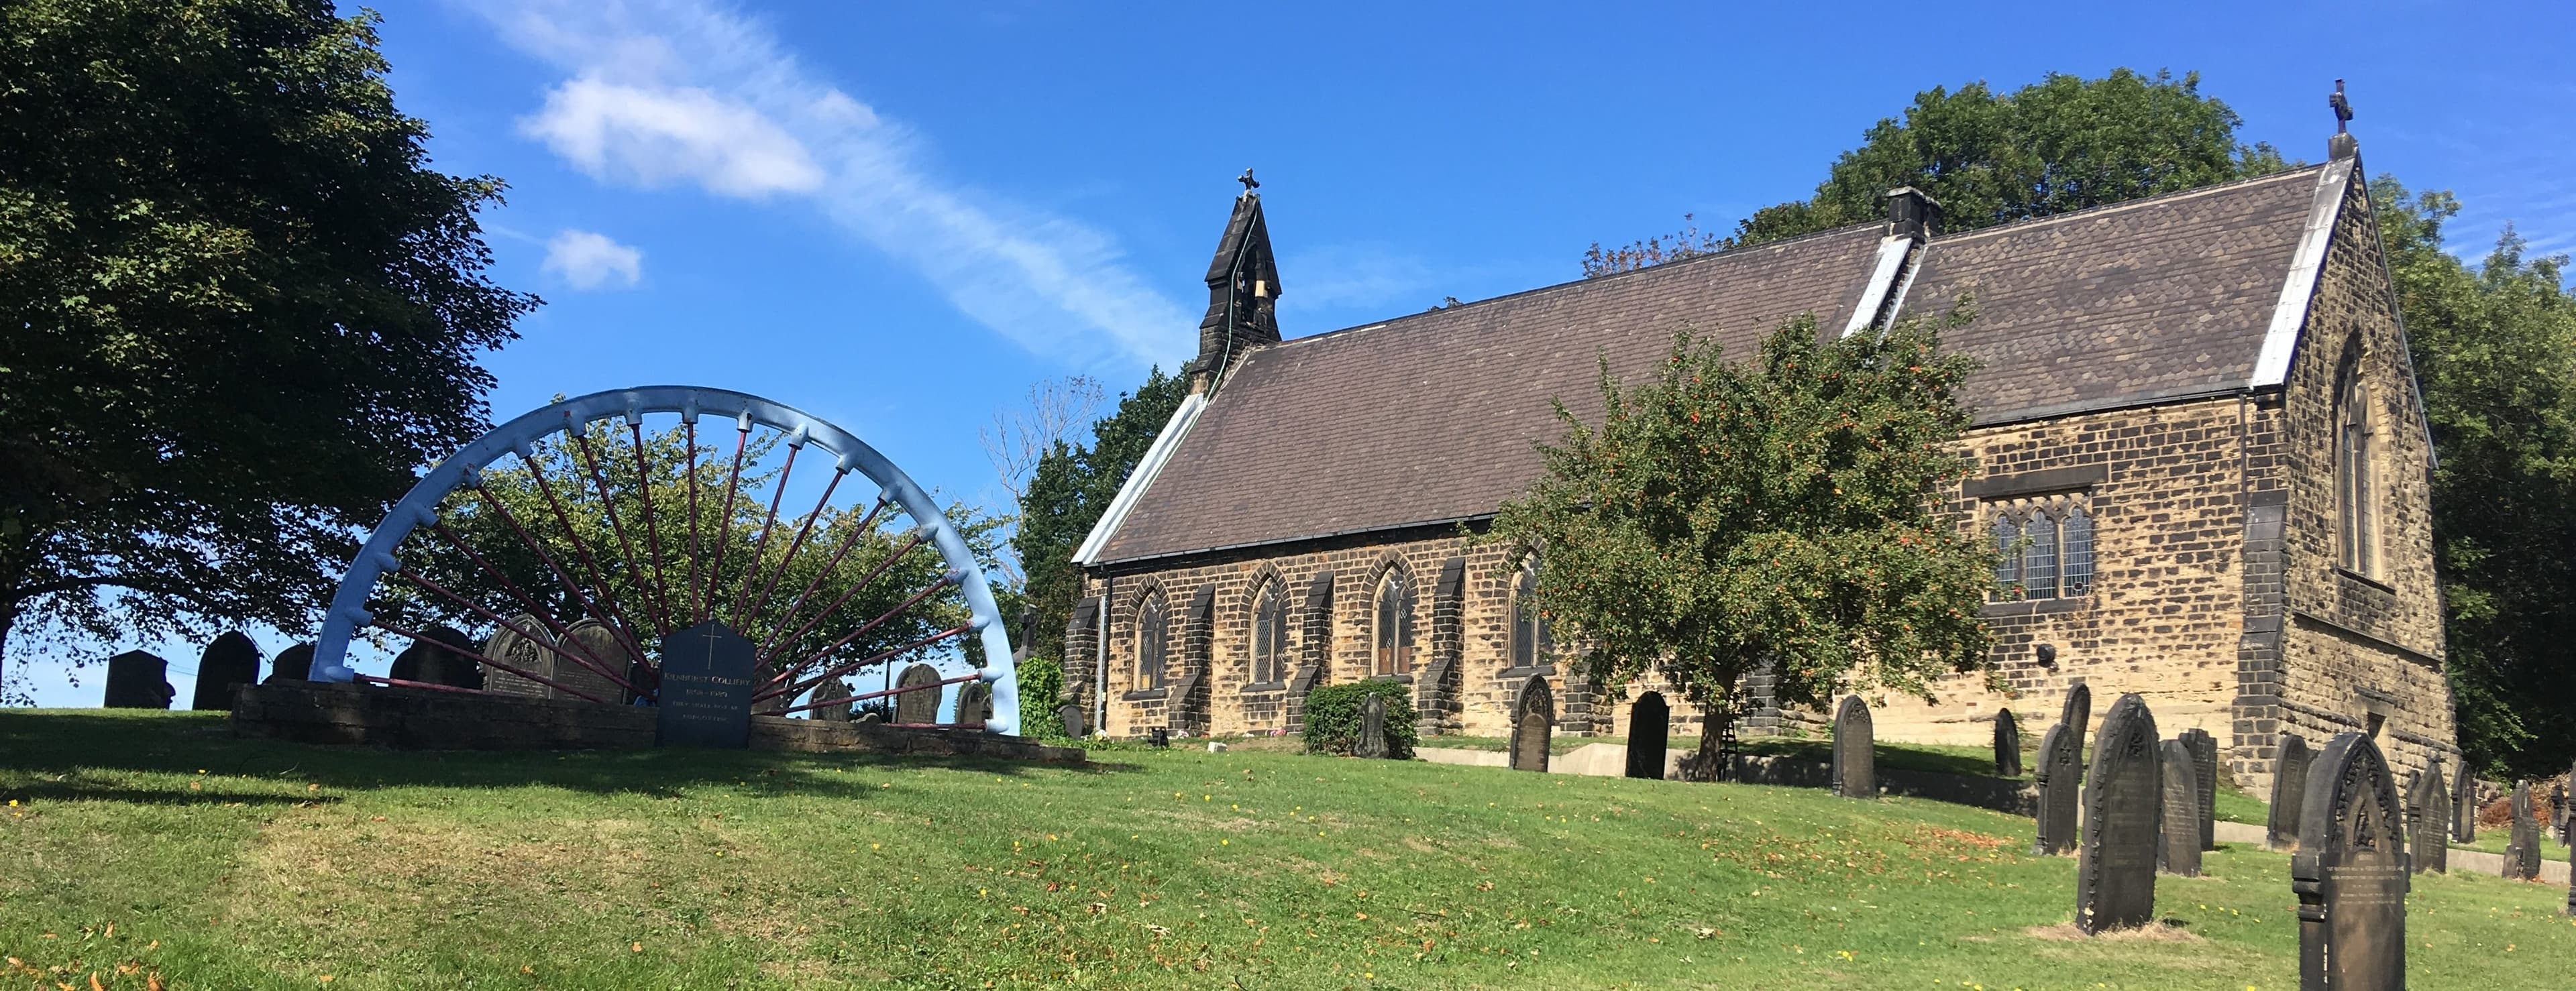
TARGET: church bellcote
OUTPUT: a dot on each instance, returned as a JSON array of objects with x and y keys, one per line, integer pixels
[{"x": 1243, "y": 292}]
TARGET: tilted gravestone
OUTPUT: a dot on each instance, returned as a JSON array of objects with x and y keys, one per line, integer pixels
[
  {"x": 2078, "y": 712},
  {"x": 1372, "y": 740},
  {"x": 529, "y": 652},
  {"x": 974, "y": 703},
  {"x": 2115, "y": 881},
  {"x": 2204, "y": 773},
  {"x": 2289, "y": 789},
  {"x": 2427, "y": 805},
  {"x": 292, "y": 664},
  {"x": 1533, "y": 724},
  {"x": 707, "y": 684},
  {"x": 433, "y": 659},
  {"x": 1071, "y": 716},
  {"x": 1855, "y": 756},
  {"x": 594, "y": 642},
  {"x": 1650, "y": 729},
  {"x": 2178, "y": 817},
  {"x": 228, "y": 663},
  {"x": 920, "y": 706},
  {"x": 2350, "y": 872},
  {"x": 830, "y": 711},
  {"x": 2522, "y": 851},
  {"x": 138, "y": 680},
  {"x": 2464, "y": 805},
  {"x": 2007, "y": 744},
  {"x": 2061, "y": 787}
]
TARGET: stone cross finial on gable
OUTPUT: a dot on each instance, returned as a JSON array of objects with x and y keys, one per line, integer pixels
[
  {"x": 1250, "y": 183},
  {"x": 2342, "y": 111}
]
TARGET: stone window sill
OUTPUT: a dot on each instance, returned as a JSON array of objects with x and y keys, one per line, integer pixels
[
  {"x": 1401, "y": 679},
  {"x": 1259, "y": 687},
  {"x": 1543, "y": 669},
  {"x": 1144, "y": 695},
  {"x": 2035, "y": 607},
  {"x": 2366, "y": 580}
]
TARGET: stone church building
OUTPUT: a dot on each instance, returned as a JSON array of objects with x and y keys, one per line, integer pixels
[{"x": 2194, "y": 418}]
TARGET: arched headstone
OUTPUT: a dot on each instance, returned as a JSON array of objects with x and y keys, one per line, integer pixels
[
  {"x": 2007, "y": 744},
  {"x": 2289, "y": 789},
  {"x": 2522, "y": 851},
  {"x": 2204, "y": 775},
  {"x": 1071, "y": 716},
  {"x": 1650, "y": 729},
  {"x": 1372, "y": 741},
  {"x": 2178, "y": 819},
  {"x": 139, "y": 680},
  {"x": 595, "y": 641},
  {"x": 433, "y": 659},
  {"x": 2464, "y": 805},
  {"x": 974, "y": 703},
  {"x": 2061, "y": 787},
  {"x": 2558, "y": 817},
  {"x": 1533, "y": 724},
  {"x": 2078, "y": 712},
  {"x": 833, "y": 712},
  {"x": 917, "y": 706},
  {"x": 228, "y": 663},
  {"x": 2350, "y": 872},
  {"x": 292, "y": 664},
  {"x": 2427, "y": 805},
  {"x": 532, "y": 654},
  {"x": 1855, "y": 762},
  {"x": 2115, "y": 883}
]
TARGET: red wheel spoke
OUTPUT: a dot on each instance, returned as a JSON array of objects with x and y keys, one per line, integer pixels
[
  {"x": 768, "y": 651},
  {"x": 652, "y": 531},
  {"x": 790, "y": 672},
  {"x": 478, "y": 655},
  {"x": 865, "y": 696},
  {"x": 526, "y": 601},
  {"x": 758, "y": 547},
  {"x": 848, "y": 540},
  {"x": 724, "y": 523},
  {"x": 802, "y": 531},
  {"x": 581, "y": 442},
  {"x": 799, "y": 687},
  {"x": 607, "y": 613},
  {"x": 581, "y": 659}
]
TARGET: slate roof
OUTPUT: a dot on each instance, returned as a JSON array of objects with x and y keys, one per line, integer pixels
[{"x": 1432, "y": 418}]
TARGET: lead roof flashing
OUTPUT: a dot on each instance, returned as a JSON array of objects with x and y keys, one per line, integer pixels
[{"x": 2299, "y": 286}]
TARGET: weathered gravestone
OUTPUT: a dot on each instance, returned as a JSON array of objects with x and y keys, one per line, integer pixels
[
  {"x": 2061, "y": 787},
  {"x": 2078, "y": 712},
  {"x": 2178, "y": 817},
  {"x": 2115, "y": 874},
  {"x": 433, "y": 659},
  {"x": 2289, "y": 791},
  {"x": 138, "y": 680},
  {"x": 2464, "y": 805},
  {"x": 2350, "y": 872},
  {"x": 2204, "y": 775},
  {"x": 1071, "y": 715},
  {"x": 524, "y": 651},
  {"x": 1533, "y": 723},
  {"x": 2007, "y": 744},
  {"x": 707, "y": 684},
  {"x": 2558, "y": 817},
  {"x": 228, "y": 663},
  {"x": 1855, "y": 759},
  {"x": 831, "y": 711},
  {"x": 974, "y": 703},
  {"x": 1372, "y": 741},
  {"x": 592, "y": 640},
  {"x": 2522, "y": 851},
  {"x": 1650, "y": 729},
  {"x": 2427, "y": 805},
  {"x": 921, "y": 705},
  {"x": 292, "y": 664}
]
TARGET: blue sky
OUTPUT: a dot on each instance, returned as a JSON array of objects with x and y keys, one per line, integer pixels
[{"x": 899, "y": 216}]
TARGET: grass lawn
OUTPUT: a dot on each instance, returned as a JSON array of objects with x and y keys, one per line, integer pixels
[
  {"x": 2493, "y": 839},
  {"x": 161, "y": 843}
]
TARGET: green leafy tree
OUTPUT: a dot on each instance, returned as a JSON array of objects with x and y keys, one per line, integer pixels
[
  {"x": 241, "y": 311},
  {"x": 1069, "y": 490},
  {"x": 1726, "y": 516}
]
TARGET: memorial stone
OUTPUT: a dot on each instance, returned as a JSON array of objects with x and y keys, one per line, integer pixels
[
  {"x": 831, "y": 711},
  {"x": 292, "y": 664},
  {"x": 2522, "y": 851},
  {"x": 139, "y": 680},
  {"x": 2178, "y": 819},
  {"x": 228, "y": 663},
  {"x": 2464, "y": 806},
  {"x": 524, "y": 652},
  {"x": 2289, "y": 791},
  {"x": 2007, "y": 744},
  {"x": 1855, "y": 756},
  {"x": 707, "y": 684},
  {"x": 2558, "y": 817},
  {"x": 2078, "y": 712},
  {"x": 1071, "y": 716},
  {"x": 1533, "y": 723},
  {"x": 2115, "y": 886},
  {"x": 920, "y": 706},
  {"x": 1650, "y": 728},
  {"x": 2204, "y": 770},
  {"x": 2428, "y": 805},
  {"x": 1372, "y": 741},
  {"x": 974, "y": 703},
  {"x": 2061, "y": 787},
  {"x": 593, "y": 640},
  {"x": 433, "y": 659},
  {"x": 2350, "y": 872}
]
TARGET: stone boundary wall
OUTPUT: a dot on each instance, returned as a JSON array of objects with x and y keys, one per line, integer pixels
[{"x": 426, "y": 719}]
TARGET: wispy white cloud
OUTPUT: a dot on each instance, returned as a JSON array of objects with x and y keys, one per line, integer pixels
[
  {"x": 586, "y": 260},
  {"x": 1336, "y": 277},
  {"x": 670, "y": 92}
]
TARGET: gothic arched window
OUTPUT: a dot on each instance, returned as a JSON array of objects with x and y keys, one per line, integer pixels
[
  {"x": 1153, "y": 640},
  {"x": 1394, "y": 633},
  {"x": 2039, "y": 557},
  {"x": 2007, "y": 557},
  {"x": 1269, "y": 633},
  {"x": 2356, "y": 491},
  {"x": 1529, "y": 629},
  {"x": 2075, "y": 533}
]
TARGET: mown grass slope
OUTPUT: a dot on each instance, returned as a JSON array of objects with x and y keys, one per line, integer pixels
[{"x": 229, "y": 863}]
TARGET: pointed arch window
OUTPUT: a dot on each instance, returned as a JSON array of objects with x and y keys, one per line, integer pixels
[
  {"x": 1153, "y": 642},
  {"x": 2043, "y": 550},
  {"x": 2075, "y": 534},
  {"x": 1394, "y": 621},
  {"x": 1530, "y": 637},
  {"x": 2039, "y": 557},
  {"x": 2007, "y": 557},
  {"x": 2356, "y": 490},
  {"x": 1269, "y": 633}
]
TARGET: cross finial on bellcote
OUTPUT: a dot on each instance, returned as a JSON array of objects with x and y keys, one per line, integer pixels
[
  {"x": 1249, "y": 183},
  {"x": 2342, "y": 108}
]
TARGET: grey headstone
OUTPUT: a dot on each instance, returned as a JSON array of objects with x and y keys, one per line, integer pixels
[
  {"x": 2427, "y": 805},
  {"x": 2289, "y": 791},
  {"x": 292, "y": 664},
  {"x": 2178, "y": 817},
  {"x": 974, "y": 703},
  {"x": 597, "y": 643},
  {"x": 2350, "y": 872},
  {"x": 2464, "y": 805},
  {"x": 1855, "y": 759},
  {"x": 1650, "y": 735},
  {"x": 138, "y": 680},
  {"x": 834, "y": 712},
  {"x": 1533, "y": 724},
  {"x": 2061, "y": 788},
  {"x": 2204, "y": 775},
  {"x": 1372, "y": 741},
  {"x": 2078, "y": 712},
  {"x": 2007, "y": 744},
  {"x": 920, "y": 706},
  {"x": 707, "y": 684},
  {"x": 228, "y": 663},
  {"x": 433, "y": 659},
  {"x": 2558, "y": 817},
  {"x": 1071, "y": 715},
  {"x": 532, "y": 654},
  {"x": 2522, "y": 851},
  {"x": 2115, "y": 880}
]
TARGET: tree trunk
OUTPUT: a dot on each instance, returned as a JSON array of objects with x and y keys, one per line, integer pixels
[{"x": 1710, "y": 763}]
